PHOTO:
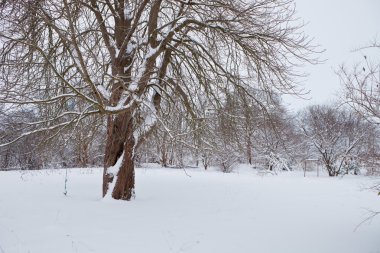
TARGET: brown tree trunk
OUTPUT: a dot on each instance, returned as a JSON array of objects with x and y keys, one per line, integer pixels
[
  {"x": 120, "y": 140},
  {"x": 83, "y": 154},
  {"x": 249, "y": 152},
  {"x": 164, "y": 152}
]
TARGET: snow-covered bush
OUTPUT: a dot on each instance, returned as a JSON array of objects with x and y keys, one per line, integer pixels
[
  {"x": 277, "y": 163},
  {"x": 351, "y": 167},
  {"x": 226, "y": 161}
]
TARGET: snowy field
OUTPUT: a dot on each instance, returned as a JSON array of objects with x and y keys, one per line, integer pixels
[{"x": 196, "y": 211}]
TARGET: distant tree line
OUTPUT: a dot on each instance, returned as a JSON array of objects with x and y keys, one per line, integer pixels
[{"x": 338, "y": 136}]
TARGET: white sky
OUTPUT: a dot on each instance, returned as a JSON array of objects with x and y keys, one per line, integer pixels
[{"x": 340, "y": 27}]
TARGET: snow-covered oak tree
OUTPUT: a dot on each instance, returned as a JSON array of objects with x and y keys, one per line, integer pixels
[{"x": 121, "y": 59}]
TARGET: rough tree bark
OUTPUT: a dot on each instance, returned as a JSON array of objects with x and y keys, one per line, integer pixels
[{"x": 120, "y": 140}]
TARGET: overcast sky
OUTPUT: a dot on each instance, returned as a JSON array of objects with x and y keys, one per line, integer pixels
[{"x": 340, "y": 27}]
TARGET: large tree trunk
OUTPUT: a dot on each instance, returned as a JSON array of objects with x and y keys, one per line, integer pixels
[{"x": 120, "y": 145}]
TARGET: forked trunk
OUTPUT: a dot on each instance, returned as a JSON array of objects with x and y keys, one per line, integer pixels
[
  {"x": 119, "y": 175},
  {"x": 331, "y": 170}
]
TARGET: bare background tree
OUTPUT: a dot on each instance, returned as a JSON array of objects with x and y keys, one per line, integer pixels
[
  {"x": 338, "y": 135},
  {"x": 361, "y": 86}
]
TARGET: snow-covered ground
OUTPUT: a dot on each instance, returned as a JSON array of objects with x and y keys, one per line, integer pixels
[{"x": 199, "y": 212}]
